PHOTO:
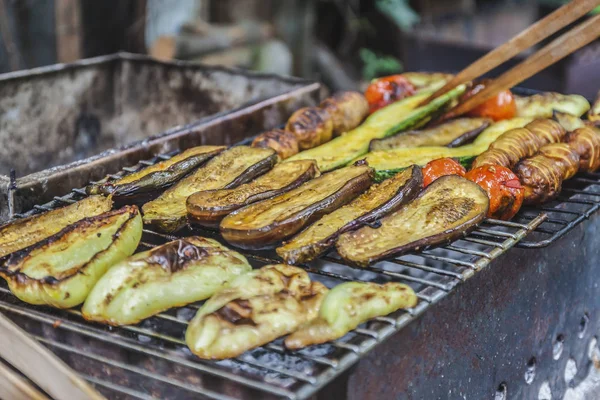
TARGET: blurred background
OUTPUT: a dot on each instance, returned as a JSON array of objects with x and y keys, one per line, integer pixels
[{"x": 343, "y": 43}]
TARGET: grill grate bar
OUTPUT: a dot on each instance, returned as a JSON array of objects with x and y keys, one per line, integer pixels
[
  {"x": 428, "y": 269},
  {"x": 117, "y": 388}
]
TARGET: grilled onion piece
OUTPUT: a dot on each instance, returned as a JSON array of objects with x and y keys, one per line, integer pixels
[
  {"x": 520, "y": 143},
  {"x": 378, "y": 201},
  {"x": 252, "y": 310},
  {"x": 229, "y": 169},
  {"x": 209, "y": 207},
  {"x": 348, "y": 305},
  {"x": 312, "y": 126},
  {"x": 283, "y": 142},
  {"x": 347, "y": 110},
  {"x": 586, "y": 142},
  {"x": 157, "y": 177},
  {"x": 172, "y": 275},
  {"x": 61, "y": 270},
  {"x": 444, "y": 211},
  {"x": 544, "y": 104},
  {"x": 451, "y": 134},
  {"x": 266, "y": 223},
  {"x": 25, "y": 232}
]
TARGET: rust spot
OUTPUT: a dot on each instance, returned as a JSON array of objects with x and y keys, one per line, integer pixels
[{"x": 56, "y": 323}]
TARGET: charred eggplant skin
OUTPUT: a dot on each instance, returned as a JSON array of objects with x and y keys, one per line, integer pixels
[
  {"x": 236, "y": 166},
  {"x": 443, "y": 212},
  {"x": 208, "y": 208},
  {"x": 22, "y": 233},
  {"x": 157, "y": 177},
  {"x": 266, "y": 223},
  {"x": 172, "y": 275},
  {"x": 376, "y": 202},
  {"x": 61, "y": 270}
]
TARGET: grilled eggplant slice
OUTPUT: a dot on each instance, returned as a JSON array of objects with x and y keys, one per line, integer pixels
[
  {"x": 25, "y": 232},
  {"x": 348, "y": 305},
  {"x": 266, "y": 223},
  {"x": 172, "y": 275},
  {"x": 61, "y": 270},
  {"x": 444, "y": 211},
  {"x": 451, "y": 134},
  {"x": 229, "y": 169},
  {"x": 544, "y": 104},
  {"x": 378, "y": 201},
  {"x": 209, "y": 207},
  {"x": 157, "y": 177},
  {"x": 252, "y": 310}
]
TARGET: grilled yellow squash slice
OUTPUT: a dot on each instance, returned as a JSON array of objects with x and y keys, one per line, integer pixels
[
  {"x": 229, "y": 169},
  {"x": 25, "y": 232},
  {"x": 172, "y": 275},
  {"x": 252, "y": 310},
  {"x": 348, "y": 305},
  {"x": 159, "y": 176},
  {"x": 61, "y": 270}
]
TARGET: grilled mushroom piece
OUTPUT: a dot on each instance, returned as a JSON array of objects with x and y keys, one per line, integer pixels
[
  {"x": 347, "y": 110},
  {"x": 172, "y": 275},
  {"x": 376, "y": 202},
  {"x": 252, "y": 310},
  {"x": 444, "y": 211},
  {"x": 25, "y": 232},
  {"x": 312, "y": 126},
  {"x": 229, "y": 169},
  {"x": 209, "y": 207},
  {"x": 61, "y": 270},
  {"x": 283, "y": 142},
  {"x": 348, "y": 305},
  {"x": 268, "y": 222}
]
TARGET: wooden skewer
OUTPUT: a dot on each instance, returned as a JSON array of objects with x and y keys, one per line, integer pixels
[
  {"x": 548, "y": 55},
  {"x": 41, "y": 366},
  {"x": 14, "y": 386},
  {"x": 545, "y": 27}
]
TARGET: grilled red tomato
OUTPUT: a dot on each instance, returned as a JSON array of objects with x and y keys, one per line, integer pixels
[
  {"x": 502, "y": 106},
  {"x": 442, "y": 166},
  {"x": 387, "y": 90},
  {"x": 503, "y": 188}
]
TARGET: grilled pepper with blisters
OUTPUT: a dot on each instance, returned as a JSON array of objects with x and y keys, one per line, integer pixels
[
  {"x": 348, "y": 305},
  {"x": 61, "y": 270},
  {"x": 376, "y": 202},
  {"x": 229, "y": 169},
  {"x": 25, "y": 232},
  {"x": 172, "y": 275},
  {"x": 157, "y": 177},
  {"x": 266, "y": 223},
  {"x": 252, "y": 310}
]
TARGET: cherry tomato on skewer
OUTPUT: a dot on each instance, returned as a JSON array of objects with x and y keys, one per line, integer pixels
[
  {"x": 503, "y": 188},
  {"x": 442, "y": 166},
  {"x": 387, "y": 90},
  {"x": 501, "y": 106}
]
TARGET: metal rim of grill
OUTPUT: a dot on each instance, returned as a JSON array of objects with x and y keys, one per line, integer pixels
[{"x": 433, "y": 273}]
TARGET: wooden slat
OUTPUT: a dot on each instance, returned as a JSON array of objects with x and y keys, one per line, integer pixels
[
  {"x": 67, "y": 14},
  {"x": 14, "y": 387}
]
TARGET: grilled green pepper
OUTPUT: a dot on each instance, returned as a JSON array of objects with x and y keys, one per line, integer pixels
[
  {"x": 157, "y": 177},
  {"x": 252, "y": 310},
  {"x": 542, "y": 105},
  {"x": 25, "y": 232},
  {"x": 229, "y": 169},
  {"x": 61, "y": 270},
  {"x": 348, "y": 305},
  {"x": 343, "y": 149},
  {"x": 594, "y": 113},
  {"x": 172, "y": 275}
]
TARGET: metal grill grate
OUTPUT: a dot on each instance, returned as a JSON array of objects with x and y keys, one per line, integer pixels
[{"x": 151, "y": 359}]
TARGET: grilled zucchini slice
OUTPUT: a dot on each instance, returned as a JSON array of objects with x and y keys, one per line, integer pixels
[
  {"x": 451, "y": 134},
  {"x": 25, "y": 232},
  {"x": 157, "y": 177},
  {"x": 61, "y": 270},
  {"x": 209, "y": 207},
  {"x": 348, "y": 305},
  {"x": 397, "y": 117},
  {"x": 378, "y": 201},
  {"x": 266, "y": 223},
  {"x": 444, "y": 211},
  {"x": 229, "y": 169},
  {"x": 252, "y": 310},
  {"x": 172, "y": 275}
]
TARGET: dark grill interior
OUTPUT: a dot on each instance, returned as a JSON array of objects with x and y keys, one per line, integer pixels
[{"x": 151, "y": 358}]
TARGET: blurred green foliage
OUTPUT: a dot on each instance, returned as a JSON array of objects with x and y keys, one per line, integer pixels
[
  {"x": 400, "y": 12},
  {"x": 374, "y": 65}
]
